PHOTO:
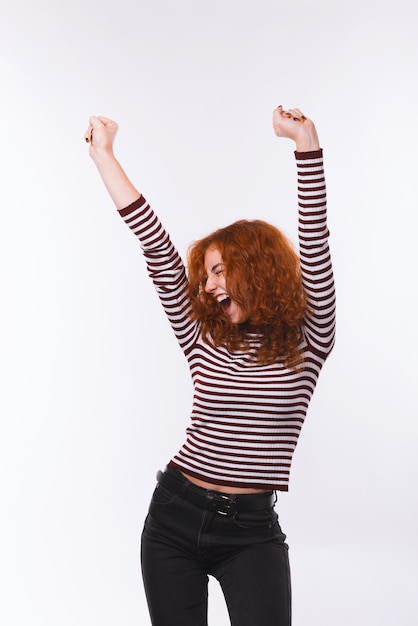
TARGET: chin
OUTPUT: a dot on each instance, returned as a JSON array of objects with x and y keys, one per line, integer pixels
[
  {"x": 238, "y": 319},
  {"x": 235, "y": 314}
]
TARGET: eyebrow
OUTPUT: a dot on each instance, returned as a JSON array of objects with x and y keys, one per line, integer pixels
[{"x": 216, "y": 266}]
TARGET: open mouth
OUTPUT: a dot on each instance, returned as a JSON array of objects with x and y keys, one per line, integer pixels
[{"x": 224, "y": 301}]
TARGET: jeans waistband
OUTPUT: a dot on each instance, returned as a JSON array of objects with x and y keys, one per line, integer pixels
[{"x": 212, "y": 500}]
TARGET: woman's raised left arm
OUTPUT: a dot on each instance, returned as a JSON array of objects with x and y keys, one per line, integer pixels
[{"x": 315, "y": 259}]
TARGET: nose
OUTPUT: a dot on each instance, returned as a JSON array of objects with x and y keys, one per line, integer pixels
[{"x": 210, "y": 285}]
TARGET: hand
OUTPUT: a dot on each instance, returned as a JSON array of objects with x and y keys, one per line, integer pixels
[
  {"x": 100, "y": 135},
  {"x": 294, "y": 125}
]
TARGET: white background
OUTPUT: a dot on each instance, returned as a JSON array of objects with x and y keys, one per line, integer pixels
[{"x": 95, "y": 394}]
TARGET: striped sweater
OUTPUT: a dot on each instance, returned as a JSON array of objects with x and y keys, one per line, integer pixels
[{"x": 246, "y": 417}]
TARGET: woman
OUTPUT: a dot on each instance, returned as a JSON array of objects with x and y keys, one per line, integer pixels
[{"x": 256, "y": 324}]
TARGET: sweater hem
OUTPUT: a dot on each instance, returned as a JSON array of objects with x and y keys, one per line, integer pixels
[{"x": 230, "y": 483}]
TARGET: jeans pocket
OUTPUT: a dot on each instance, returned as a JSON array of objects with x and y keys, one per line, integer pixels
[
  {"x": 162, "y": 496},
  {"x": 256, "y": 520}
]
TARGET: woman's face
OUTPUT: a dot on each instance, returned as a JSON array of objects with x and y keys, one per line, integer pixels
[{"x": 216, "y": 285}]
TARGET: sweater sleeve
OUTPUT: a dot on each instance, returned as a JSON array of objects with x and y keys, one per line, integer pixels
[
  {"x": 315, "y": 259},
  {"x": 164, "y": 266}
]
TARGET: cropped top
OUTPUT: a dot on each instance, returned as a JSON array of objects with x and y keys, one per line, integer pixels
[{"x": 246, "y": 417}]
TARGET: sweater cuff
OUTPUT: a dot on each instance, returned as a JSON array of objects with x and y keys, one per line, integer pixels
[
  {"x": 132, "y": 207},
  {"x": 314, "y": 154}
]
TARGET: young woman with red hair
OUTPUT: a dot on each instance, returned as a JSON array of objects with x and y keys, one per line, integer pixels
[{"x": 256, "y": 323}]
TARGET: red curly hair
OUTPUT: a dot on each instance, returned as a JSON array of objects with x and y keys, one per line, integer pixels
[{"x": 263, "y": 277}]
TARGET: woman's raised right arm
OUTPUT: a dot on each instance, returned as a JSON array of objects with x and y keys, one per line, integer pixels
[
  {"x": 164, "y": 264},
  {"x": 100, "y": 135}
]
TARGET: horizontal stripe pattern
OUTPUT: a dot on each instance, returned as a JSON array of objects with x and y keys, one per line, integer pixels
[{"x": 246, "y": 417}]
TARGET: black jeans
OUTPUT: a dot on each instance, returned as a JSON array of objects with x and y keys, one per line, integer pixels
[{"x": 246, "y": 552}]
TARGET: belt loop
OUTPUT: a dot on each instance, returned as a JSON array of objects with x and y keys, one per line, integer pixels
[{"x": 186, "y": 484}]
